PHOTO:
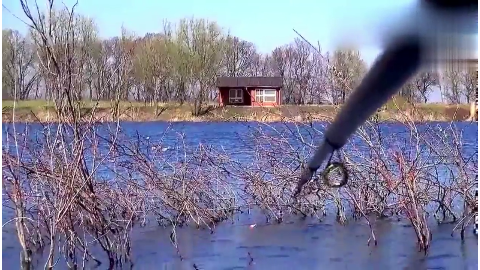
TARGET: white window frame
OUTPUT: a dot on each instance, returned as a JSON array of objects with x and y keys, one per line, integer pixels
[
  {"x": 235, "y": 96},
  {"x": 260, "y": 95}
]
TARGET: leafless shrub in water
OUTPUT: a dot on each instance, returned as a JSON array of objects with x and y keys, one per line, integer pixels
[
  {"x": 51, "y": 178},
  {"x": 426, "y": 174},
  {"x": 61, "y": 200}
]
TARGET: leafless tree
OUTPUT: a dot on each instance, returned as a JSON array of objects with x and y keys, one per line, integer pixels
[{"x": 19, "y": 71}]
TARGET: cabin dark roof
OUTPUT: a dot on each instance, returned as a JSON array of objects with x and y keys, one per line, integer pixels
[{"x": 275, "y": 82}]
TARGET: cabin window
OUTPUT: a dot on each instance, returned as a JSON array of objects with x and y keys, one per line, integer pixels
[
  {"x": 235, "y": 96},
  {"x": 266, "y": 95}
]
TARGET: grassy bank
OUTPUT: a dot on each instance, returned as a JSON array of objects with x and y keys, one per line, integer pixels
[{"x": 39, "y": 110}]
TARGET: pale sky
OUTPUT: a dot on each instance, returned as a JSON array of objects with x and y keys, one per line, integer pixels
[{"x": 268, "y": 24}]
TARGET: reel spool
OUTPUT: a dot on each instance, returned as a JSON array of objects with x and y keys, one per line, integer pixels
[{"x": 335, "y": 175}]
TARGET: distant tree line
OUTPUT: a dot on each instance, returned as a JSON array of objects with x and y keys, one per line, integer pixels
[{"x": 180, "y": 63}]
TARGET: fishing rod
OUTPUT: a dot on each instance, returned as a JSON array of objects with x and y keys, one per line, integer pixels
[{"x": 404, "y": 55}]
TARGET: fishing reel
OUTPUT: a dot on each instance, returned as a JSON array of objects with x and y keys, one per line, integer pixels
[{"x": 335, "y": 174}]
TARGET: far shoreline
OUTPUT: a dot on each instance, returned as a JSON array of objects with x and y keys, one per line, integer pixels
[
  {"x": 387, "y": 121},
  {"x": 36, "y": 112}
]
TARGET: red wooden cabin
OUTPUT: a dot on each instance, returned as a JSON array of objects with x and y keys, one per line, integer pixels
[{"x": 250, "y": 91}]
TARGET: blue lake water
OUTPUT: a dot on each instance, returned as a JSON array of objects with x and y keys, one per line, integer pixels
[{"x": 296, "y": 244}]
